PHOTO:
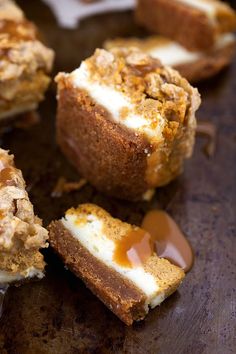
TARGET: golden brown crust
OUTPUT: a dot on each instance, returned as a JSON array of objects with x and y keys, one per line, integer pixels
[
  {"x": 108, "y": 156},
  {"x": 113, "y": 228},
  {"x": 185, "y": 24},
  {"x": 169, "y": 276},
  {"x": 120, "y": 295}
]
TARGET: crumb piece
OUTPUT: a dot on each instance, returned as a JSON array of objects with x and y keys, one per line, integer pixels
[
  {"x": 63, "y": 186},
  {"x": 208, "y": 130}
]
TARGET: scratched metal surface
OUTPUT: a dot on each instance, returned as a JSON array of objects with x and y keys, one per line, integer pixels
[{"x": 58, "y": 314}]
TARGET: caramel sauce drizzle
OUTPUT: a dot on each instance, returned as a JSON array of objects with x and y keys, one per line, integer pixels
[
  {"x": 134, "y": 248},
  {"x": 160, "y": 234}
]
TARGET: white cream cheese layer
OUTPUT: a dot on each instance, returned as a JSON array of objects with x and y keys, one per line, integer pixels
[
  {"x": 90, "y": 234},
  {"x": 114, "y": 102},
  {"x": 7, "y": 277},
  {"x": 174, "y": 54}
]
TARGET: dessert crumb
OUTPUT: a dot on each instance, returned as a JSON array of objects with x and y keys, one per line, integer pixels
[
  {"x": 62, "y": 186},
  {"x": 208, "y": 130}
]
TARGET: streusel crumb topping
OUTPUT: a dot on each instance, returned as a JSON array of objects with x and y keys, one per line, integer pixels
[
  {"x": 154, "y": 90},
  {"x": 21, "y": 232},
  {"x": 21, "y": 52}
]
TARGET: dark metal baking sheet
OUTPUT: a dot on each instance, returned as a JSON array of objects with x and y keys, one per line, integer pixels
[{"x": 58, "y": 314}]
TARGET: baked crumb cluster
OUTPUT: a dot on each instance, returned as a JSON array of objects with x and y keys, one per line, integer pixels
[
  {"x": 20, "y": 51},
  {"x": 21, "y": 232},
  {"x": 155, "y": 91}
]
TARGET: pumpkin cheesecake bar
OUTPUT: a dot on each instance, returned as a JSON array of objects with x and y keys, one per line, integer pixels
[
  {"x": 115, "y": 260},
  {"x": 21, "y": 232},
  {"x": 195, "y": 24},
  {"x": 192, "y": 65},
  {"x": 126, "y": 121},
  {"x": 25, "y": 62}
]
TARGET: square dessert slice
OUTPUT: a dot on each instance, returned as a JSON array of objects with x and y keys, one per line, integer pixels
[
  {"x": 126, "y": 122},
  {"x": 193, "y": 65},
  {"x": 115, "y": 260},
  {"x": 21, "y": 232},
  {"x": 25, "y": 62},
  {"x": 196, "y": 24}
]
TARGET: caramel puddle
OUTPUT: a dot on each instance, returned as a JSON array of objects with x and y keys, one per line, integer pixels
[{"x": 170, "y": 243}]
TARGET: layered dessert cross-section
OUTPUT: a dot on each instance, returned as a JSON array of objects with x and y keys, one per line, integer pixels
[
  {"x": 116, "y": 261},
  {"x": 21, "y": 232},
  {"x": 126, "y": 121},
  {"x": 25, "y": 62},
  {"x": 192, "y": 65},
  {"x": 195, "y": 24}
]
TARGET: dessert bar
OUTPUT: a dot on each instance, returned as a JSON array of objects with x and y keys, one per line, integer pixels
[
  {"x": 21, "y": 232},
  {"x": 116, "y": 261},
  {"x": 126, "y": 121}
]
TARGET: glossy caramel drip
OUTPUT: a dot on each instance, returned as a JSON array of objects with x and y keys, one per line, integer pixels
[
  {"x": 134, "y": 248},
  {"x": 1, "y": 214},
  {"x": 170, "y": 243},
  {"x": 6, "y": 176}
]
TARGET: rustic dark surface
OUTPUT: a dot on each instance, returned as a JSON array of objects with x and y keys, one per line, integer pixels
[{"x": 58, "y": 314}]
